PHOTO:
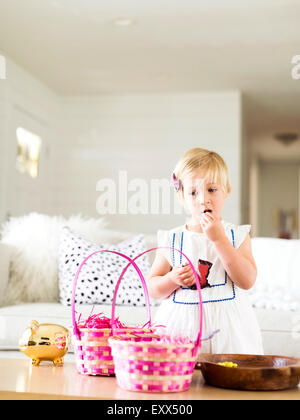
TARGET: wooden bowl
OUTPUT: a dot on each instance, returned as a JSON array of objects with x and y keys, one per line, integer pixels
[{"x": 255, "y": 373}]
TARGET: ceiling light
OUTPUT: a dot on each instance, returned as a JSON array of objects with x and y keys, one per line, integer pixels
[
  {"x": 286, "y": 138},
  {"x": 123, "y": 21}
]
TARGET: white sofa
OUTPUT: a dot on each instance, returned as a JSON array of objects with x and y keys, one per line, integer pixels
[{"x": 278, "y": 312}]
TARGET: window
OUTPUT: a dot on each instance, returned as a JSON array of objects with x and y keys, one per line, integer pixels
[{"x": 29, "y": 146}]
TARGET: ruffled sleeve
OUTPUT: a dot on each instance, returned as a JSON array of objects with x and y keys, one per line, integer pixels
[
  {"x": 163, "y": 240},
  {"x": 241, "y": 232}
]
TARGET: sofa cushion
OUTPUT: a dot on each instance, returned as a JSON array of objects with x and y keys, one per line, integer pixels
[
  {"x": 15, "y": 319},
  {"x": 280, "y": 332},
  {"x": 278, "y": 268},
  {"x": 281, "y": 343},
  {"x": 278, "y": 320},
  {"x": 98, "y": 276}
]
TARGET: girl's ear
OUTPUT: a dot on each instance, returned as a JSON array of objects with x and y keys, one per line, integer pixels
[
  {"x": 181, "y": 199},
  {"x": 227, "y": 193},
  {"x": 180, "y": 196}
]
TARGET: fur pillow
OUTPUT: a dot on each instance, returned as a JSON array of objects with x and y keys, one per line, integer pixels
[
  {"x": 34, "y": 241},
  {"x": 98, "y": 276}
]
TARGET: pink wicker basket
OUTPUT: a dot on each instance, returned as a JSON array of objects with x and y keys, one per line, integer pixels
[
  {"x": 92, "y": 350},
  {"x": 143, "y": 363}
]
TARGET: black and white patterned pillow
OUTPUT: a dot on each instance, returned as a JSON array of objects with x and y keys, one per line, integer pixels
[{"x": 99, "y": 275}]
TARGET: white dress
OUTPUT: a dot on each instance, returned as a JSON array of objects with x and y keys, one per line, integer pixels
[{"x": 225, "y": 306}]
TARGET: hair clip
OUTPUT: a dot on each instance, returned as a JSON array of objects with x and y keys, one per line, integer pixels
[{"x": 177, "y": 183}]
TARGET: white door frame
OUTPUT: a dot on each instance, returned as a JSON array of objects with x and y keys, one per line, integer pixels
[{"x": 253, "y": 196}]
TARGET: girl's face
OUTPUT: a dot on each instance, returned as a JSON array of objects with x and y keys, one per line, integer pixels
[{"x": 202, "y": 195}]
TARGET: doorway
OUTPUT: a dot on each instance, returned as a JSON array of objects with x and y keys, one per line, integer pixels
[
  {"x": 24, "y": 193},
  {"x": 275, "y": 190}
]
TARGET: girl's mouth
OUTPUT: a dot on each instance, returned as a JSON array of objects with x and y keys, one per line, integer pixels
[{"x": 207, "y": 211}]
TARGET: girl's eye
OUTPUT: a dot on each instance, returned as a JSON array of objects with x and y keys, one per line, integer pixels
[{"x": 210, "y": 190}]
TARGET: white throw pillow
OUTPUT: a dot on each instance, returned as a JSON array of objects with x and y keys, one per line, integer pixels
[{"x": 98, "y": 276}]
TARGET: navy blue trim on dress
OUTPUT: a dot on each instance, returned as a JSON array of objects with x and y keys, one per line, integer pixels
[
  {"x": 214, "y": 285},
  {"x": 181, "y": 245},
  {"x": 173, "y": 246}
]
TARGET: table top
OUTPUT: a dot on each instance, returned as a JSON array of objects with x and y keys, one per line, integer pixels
[{"x": 20, "y": 380}]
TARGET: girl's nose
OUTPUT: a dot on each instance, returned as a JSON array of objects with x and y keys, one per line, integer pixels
[
  {"x": 200, "y": 191},
  {"x": 201, "y": 196}
]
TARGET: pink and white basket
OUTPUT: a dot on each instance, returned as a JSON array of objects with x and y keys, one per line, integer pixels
[
  {"x": 146, "y": 364},
  {"x": 91, "y": 347}
]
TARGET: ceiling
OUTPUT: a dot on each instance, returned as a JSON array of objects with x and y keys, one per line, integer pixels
[{"x": 74, "y": 47}]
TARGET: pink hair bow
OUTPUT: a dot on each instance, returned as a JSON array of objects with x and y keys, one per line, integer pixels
[{"x": 177, "y": 183}]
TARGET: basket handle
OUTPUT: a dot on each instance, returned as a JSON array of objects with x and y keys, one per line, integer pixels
[
  {"x": 198, "y": 340},
  {"x": 75, "y": 326}
]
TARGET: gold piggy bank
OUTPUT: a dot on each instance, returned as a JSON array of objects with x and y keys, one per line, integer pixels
[{"x": 45, "y": 342}]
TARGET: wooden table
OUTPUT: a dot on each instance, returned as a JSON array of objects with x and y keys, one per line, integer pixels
[{"x": 20, "y": 380}]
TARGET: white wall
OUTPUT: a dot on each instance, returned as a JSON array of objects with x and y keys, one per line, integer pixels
[
  {"x": 245, "y": 168},
  {"x": 144, "y": 135},
  {"x": 253, "y": 196},
  {"x": 87, "y": 139},
  {"x": 3, "y": 136},
  {"x": 24, "y": 101}
]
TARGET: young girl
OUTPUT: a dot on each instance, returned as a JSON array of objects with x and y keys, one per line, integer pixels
[{"x": 220, "y": 253}]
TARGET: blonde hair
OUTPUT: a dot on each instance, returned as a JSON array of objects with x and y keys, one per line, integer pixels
[{"x": 210, "y": 162}]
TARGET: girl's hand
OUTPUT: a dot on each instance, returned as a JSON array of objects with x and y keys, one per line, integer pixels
[
  {"x": 212, "y": 227},
  {"x": 182, "y": 276}
]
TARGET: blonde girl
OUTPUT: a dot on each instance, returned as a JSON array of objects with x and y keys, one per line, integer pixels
[{"x": 219, "y": 250}]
